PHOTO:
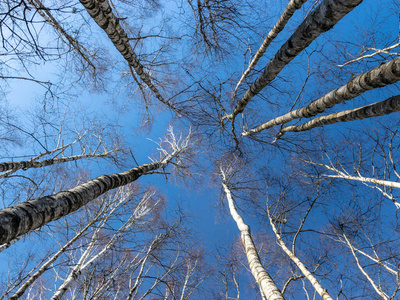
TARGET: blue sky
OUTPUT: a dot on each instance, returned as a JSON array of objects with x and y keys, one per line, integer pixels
[{"x": 202, "y": 200}]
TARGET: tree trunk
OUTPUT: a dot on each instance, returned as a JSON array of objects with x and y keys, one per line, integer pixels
[
  {"x": 102, "y": 14},
  {"x": 290, "y": 9},
  {"x": 314, "y": 282},
  {"x": 323, "y": 18},
  {"x": 380, "y": 76},
  {"x": 377, "y": 288},
  {"x": 264, "y": 280},
  {"x": 14, "y": 166},
  {"x": 345, "y": 175},
  {"x": 25, "y": 217},
  {"x": 381, "y": 108}
]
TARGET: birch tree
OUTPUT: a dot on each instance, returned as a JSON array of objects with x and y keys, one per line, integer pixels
[
  {"x": 28, "y": 216},
  {"x": 290, "y": 9},
  {"x": 238, "y": 73},
  {"x": 380, "y": 76},
  {"x": 292, "y": 255},
  {"x": 376, "y": 169},
  {"x": 98, "y": 262},
  {"x": 267, "y": 286},
  {"x": 103, "y": 15},
  {"x": 381, "y": 108},
  {"x": 91, "y": 254},
  {"x": 323, "y": 18}
]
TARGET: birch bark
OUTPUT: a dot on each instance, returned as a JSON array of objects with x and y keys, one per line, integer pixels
[
  {"x": 264, "y": 280},
  {"x": 379, "y": 77},
  {"x": 14, "y": 166},
  {"x": 314, "y": 282},
  {"x": 25, "y": 217},
  {"x": 290, "y": 9},
  {"x": 102, "y": 14},
  {"x": 377, "y": 109},
  {"x": 323, "y": 18},
  {"x": 345, "y": 175},
  {"x": 22, "y": 218}
]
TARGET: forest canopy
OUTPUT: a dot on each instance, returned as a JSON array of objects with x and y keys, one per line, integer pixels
[{"x": 208, "y": 149}]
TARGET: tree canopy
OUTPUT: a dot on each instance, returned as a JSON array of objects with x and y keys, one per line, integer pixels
[{"x": 208, "y": 149}]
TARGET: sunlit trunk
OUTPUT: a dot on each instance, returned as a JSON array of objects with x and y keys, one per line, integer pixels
[
  {"x": 25, "y": 217},
  {"x": 380, "y": 76},
  {"x": 314, "y": 282},
  {"x": 102, "y": 14},
  {"x": 290, "y": 9},
  {"x": 323, "y": 18},
  {"x": 377, "y": 109},
  {"x": 264, "y": 280}
]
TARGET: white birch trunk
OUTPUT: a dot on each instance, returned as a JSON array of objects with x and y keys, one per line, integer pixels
[
  {"x": 14, "y": 166},
  {"x": 264, "y": 280},
  {"x": 6, "y": 166},
  {"x": 377, "y": 109},
  {"x": 102, "y": 14},
  {"x": 366, "y": 179},
  {"x": 380, "y": 76},
  {"x": 323, "y": 18},
  {"x": 290, "y": 9},
  {"x": 25, "y": 217},
  {"x": 133, "y": 289},
  {"x": 314, "y": 282},
  {"x": 377, "y": 289},
  {"x": 377, "y": 261},
  {"x": 79, "y": 268},
  {"x": 345, "y": 175}
]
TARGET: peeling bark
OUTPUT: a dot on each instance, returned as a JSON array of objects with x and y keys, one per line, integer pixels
[
  {"x": 379, "y": 77},
  {"x": 322, "y": 19}
]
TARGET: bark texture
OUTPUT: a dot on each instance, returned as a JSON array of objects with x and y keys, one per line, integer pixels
[
  {"x": 290, "y": 9},
  {"x": 25, "y": 217},
  {"x": 18, "y": 165},
  {"x": 381, "y": 108},
  {"x": 315, "y": 283},
  {"x": 323, "y": 18},
  {"x": 264, "y": 280},
  {"x": 102, "y": 14},
  {"x": 379, "y": 77}
]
